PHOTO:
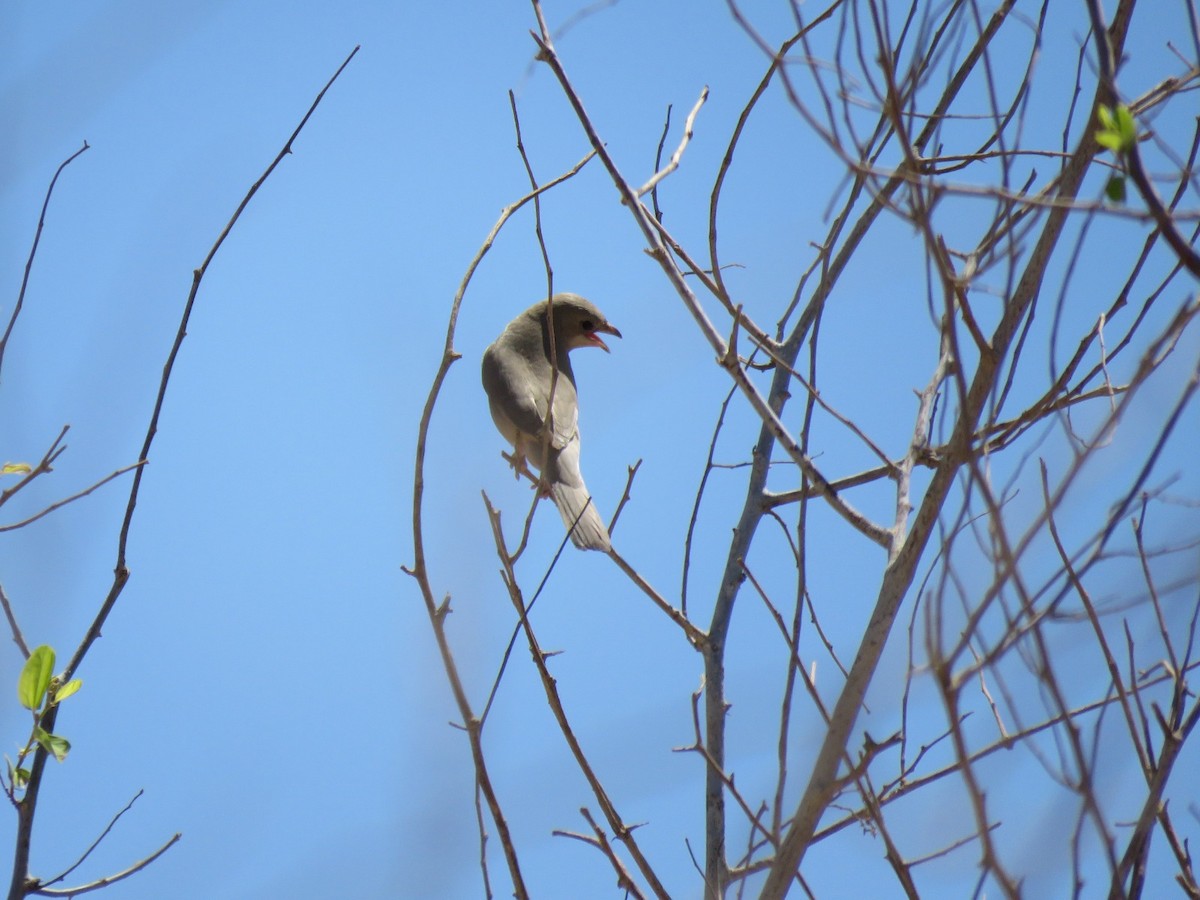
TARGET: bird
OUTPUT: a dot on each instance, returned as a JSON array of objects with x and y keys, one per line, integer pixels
[{"x": 517, "y": 374}]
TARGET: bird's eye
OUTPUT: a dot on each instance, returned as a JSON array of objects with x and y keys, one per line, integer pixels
[{"x": 588, "y": 324}]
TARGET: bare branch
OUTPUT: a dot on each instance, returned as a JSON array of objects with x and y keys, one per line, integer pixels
[
  {"x": 106, "y": 880},
  {"x": 622, "y": 831},
  {"x": 673, "y": 163},
  {"x": 96, "y": 843},
  {"x": 37, "y": 237},
  {"x": 59, "y": 504}
]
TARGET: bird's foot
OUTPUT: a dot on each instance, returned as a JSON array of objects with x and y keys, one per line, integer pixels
[{"x": 519, "y": 466}]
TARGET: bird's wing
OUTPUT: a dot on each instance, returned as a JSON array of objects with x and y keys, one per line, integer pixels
[
  {"x": 512, "y": 390},
  {"x": 566, "y": 413},
  {"x": 519, "y": 390}
]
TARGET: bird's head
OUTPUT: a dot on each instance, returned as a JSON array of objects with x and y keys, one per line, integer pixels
[{"x": 578, "y": 323}]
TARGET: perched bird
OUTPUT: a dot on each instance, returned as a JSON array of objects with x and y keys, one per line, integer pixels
[{"x": 517, "y": 372}]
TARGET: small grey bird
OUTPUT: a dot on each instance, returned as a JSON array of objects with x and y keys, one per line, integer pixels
[{"x": 516, "y": 375}]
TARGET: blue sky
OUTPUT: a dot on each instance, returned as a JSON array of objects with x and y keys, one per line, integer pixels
[{"x": 269, "y": 677}]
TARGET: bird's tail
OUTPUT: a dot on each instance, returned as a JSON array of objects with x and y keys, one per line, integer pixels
[{"x": 577, "y": 509}]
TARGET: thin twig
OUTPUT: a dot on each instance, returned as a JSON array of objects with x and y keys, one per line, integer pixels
[
  {"x": 107, "y": 879},
  {"x": 46, "y": 464},
  {"x": 58, "y": 504},
  {"x": 18, "y": 637},
  {"x": 625, "y": 495},
  {"x": 695, "y": 636},
  {"x": 673, "y": 163},
  {"x": 96, "y": 843},
  {"x": 37, "y": 237},
  {"x": 599, "y": 840}
]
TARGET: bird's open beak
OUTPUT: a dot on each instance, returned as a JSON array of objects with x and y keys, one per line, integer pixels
[{"x": 595, "y": 338}]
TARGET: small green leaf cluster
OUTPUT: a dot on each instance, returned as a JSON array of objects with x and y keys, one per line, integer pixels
[
  {"x": 1118, "y": 133},
  {"x": 39, "y": 690},
  {"x": 1117, "y": 129}
]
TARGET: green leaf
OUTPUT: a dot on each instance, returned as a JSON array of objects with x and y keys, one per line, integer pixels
[
  {"x": 52, "y": 743},
  {"x": 67, "y": 689},
  {"x": 35, "y": 677},
  {"x": 17, "y": 777},
  {"x": 1126, "y": 126},
  {"x": 16, "y": 469},
  {"x": 1118, "y": 130},
  {"x": 1115, "y": 189}
]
